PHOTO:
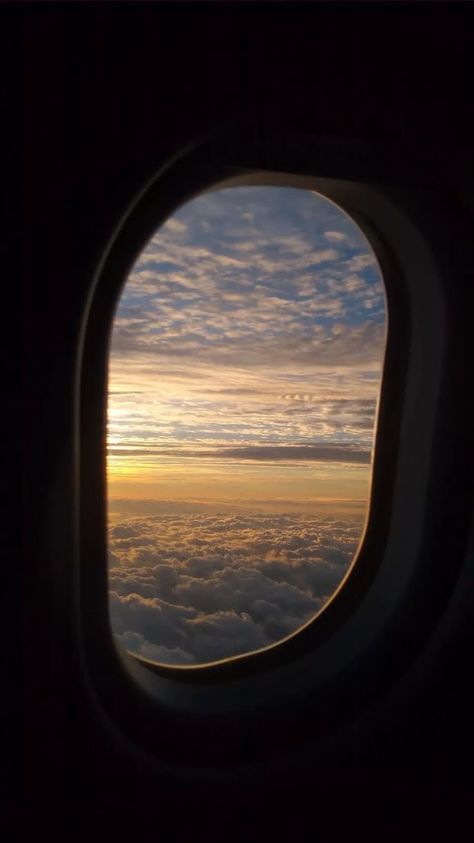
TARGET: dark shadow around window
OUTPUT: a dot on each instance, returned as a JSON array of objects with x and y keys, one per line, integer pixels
[{"x": 244, "y": 374}]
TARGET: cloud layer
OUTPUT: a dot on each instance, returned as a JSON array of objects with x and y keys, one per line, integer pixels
[{"x": 198, "y": 586}]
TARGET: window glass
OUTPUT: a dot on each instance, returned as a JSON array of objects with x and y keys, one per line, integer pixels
[{"x": 245, "y": 365}]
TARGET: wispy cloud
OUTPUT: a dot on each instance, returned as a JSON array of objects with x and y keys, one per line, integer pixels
[
  {"x": 335, "y": 236},
  {"x": 271, "y": 453}
]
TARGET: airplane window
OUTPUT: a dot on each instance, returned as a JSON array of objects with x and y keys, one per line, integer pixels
[{"x": 244, "y": 371}]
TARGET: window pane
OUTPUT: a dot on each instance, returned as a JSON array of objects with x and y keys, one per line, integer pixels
[{"x": 245, "y": 365}]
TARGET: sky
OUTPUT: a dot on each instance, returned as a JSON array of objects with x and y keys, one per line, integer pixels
[
  {"x": 244, "y": 370},
  {"x": 246, "y": 351}
]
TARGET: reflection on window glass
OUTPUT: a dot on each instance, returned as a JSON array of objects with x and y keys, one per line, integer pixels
[{"x": 244, "y": 371}]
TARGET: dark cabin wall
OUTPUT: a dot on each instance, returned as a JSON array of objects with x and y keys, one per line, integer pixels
[{"x": 108, "y": 92}]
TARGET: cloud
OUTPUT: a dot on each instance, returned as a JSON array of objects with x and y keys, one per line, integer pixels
[
  {"x": 136, "y": 643},
  {"x": 335, "y": 236},
  {"x": 175, "y": 226},
  {"x": 208, "y": 585},
  {"x": 325, "y": 452}
]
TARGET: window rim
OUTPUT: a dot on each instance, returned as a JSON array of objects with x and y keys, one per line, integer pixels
[{"x": 189, "y": 688}]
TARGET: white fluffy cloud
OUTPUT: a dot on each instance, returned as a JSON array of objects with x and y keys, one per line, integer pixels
[{"x": 195, "y": 587}]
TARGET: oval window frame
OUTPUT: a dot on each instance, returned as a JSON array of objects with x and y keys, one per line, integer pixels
[{"x": 171, "y": 712}]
